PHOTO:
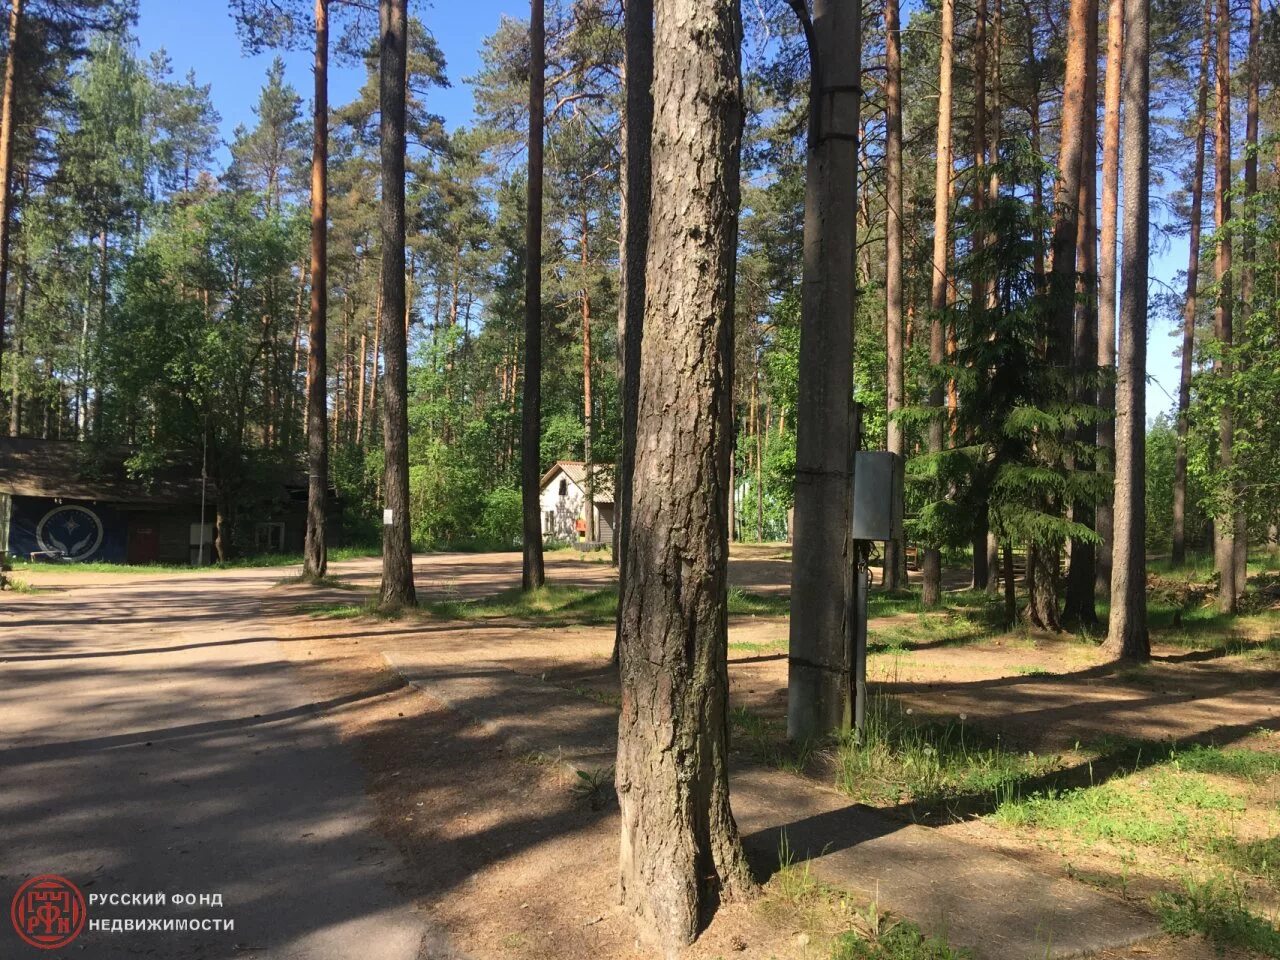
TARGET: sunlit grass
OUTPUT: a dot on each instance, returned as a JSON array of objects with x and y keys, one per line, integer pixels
[
  {"x": 336, "y": 554},
  {"x": 907, "y": 759}
]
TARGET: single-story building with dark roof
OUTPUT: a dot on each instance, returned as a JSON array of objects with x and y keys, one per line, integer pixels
[{"x": 63, "y": 500}]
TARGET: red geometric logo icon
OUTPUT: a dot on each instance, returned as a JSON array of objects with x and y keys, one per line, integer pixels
[{"x": 48, "y": 911}]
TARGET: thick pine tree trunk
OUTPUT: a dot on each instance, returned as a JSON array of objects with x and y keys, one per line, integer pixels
[
  {"x": 1127, "y": 630},
  {"x": 931, "y": 563},
  {"x": 1253, "y": 69},
  {"x": 680, "y": 849},
  {"x": 1189, "y": 309},
  {"x": 980, "y": 287},
  {"x": 1225, "y": 521},
  {"x": 1080, "y": 600},
  {"x": 634, "y": 229},
  {"x": 894, "y": 550},
  {"x": 533, "y": 574},
  {"x": 818, "y": 667},
  {"x": 397, "y": 545},
  {"x": 1107, "y": 280},
  {"x": 6, "y": 156},
  {"x": 1062, "y": 272},
  {"x": 315, "y": 559}
]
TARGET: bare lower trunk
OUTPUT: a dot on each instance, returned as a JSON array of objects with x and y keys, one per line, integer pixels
[
  {"x": 1252, "y": 73},
  {"x": 1189, "y": 309},
  {"x": 680, "y": 851},
  {"x": 894, "y": 550},
  {"x": 1042, "y": 588},
  {"x": 931, "y": 565},
  {"x": 637, "y": 134},
  {"x": 315, "y": 559},
  {"x": 532, "y": 572},
  {"x": 397, "y": 545},
  {"x": 1127, "y": 630},
  {"x": 1079, "y": 602},
  {"x": 1225, "y": 521},
  {"x": 818, "y": 679},
  {"x": 589, "y": 481},
  {"x": 6, "y": 156},
  {"x": 1107, "y": 279}
]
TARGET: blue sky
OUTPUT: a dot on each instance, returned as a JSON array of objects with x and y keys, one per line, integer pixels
[{"x": 200, "y": 35}]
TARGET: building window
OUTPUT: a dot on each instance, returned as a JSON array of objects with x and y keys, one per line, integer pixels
[
  {"x": 564, "y": 487},
  {"x": 550, "y": 524},
  {"x": 269, "y": 537}
]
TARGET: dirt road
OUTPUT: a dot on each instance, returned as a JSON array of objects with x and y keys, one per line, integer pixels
[{"x": 155, "y": 738}]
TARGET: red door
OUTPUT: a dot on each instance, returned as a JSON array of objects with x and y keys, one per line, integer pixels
[{"x": 144, "y": 545}]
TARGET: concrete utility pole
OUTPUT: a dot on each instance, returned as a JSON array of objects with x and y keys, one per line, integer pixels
[{"x": 818, "y": 665}]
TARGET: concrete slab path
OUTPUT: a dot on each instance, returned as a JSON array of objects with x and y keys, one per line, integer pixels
[
  {"x": 154, "y": 737},
  {"x": 998, "y": 907}
]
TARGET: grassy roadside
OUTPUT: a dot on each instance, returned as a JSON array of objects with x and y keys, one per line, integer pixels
[
  {"x": 554, "y": 605},
  {"x": 241, "y": 563}
]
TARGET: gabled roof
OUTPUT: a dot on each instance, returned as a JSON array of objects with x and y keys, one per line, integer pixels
[{"x": 576, "y": 471}]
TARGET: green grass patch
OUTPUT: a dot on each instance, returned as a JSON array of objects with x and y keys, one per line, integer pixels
[
  {"x": 1217, "y": 909},
  {"x": 553, "y": 604},
  {"x": 902, "y": 941},
  {"x": 1161, "y": 806},
  {"x": 929, "y": 630},
  {"x": 1259, "y": 858},
  {"x": 238, "y": 563},
  {"x": 765, "y": 740},
  {"x": 340, "y": 610},
  {"x": 744, "y": 604},
  {"x": 1254, "y": 765},
  {"x": 928, "y": 761},
  {"x": 774, "y": 646}
]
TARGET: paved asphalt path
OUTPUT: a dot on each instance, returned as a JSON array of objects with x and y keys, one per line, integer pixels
[{"x": 155, "y": 738}]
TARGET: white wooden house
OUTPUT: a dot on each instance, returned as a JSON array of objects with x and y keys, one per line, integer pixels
[{"x": 564, "y": 499}]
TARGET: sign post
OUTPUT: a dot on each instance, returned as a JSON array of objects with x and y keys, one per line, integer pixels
[{"x": 875, "y": 514}]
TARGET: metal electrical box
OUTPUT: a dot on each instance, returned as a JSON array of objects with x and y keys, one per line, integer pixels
[{"x": 877, "y": 495}]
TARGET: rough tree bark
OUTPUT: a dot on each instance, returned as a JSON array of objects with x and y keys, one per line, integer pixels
[
  {"x": 1042, "y": 559},
  {"x": 979, "y": 292},
  {"x": 589, "y": 480},
  {"x": 931, "y": 562},
  {"x": 397, "y": 545},
  {"x": 680, "y": 848},
  {"x": 1127, "y": 630},
  {"x": 894, "y": 550},
  {"x": 6, "y": 156},
  {"x": 533, "y": 574},
  {"x": 818, "y": 667},
  {"x": 315, "y": 558},
  {"x": 1079, "y": 602},
  {"x": 1189, "y": 308},
  {"x": 1107, "y": 277},
  {"x": 1253, "y": 71},
  {"x": 1224, "y": 522},
  {"x": 634, "y": 228}
]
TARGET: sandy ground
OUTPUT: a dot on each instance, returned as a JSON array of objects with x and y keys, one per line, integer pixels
[
  {"x": 509, "y": 857},
  {"x": 155, "y": 737}
]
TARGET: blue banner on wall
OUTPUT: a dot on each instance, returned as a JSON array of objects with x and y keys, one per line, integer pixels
[{"x": 67, "y": 530}]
